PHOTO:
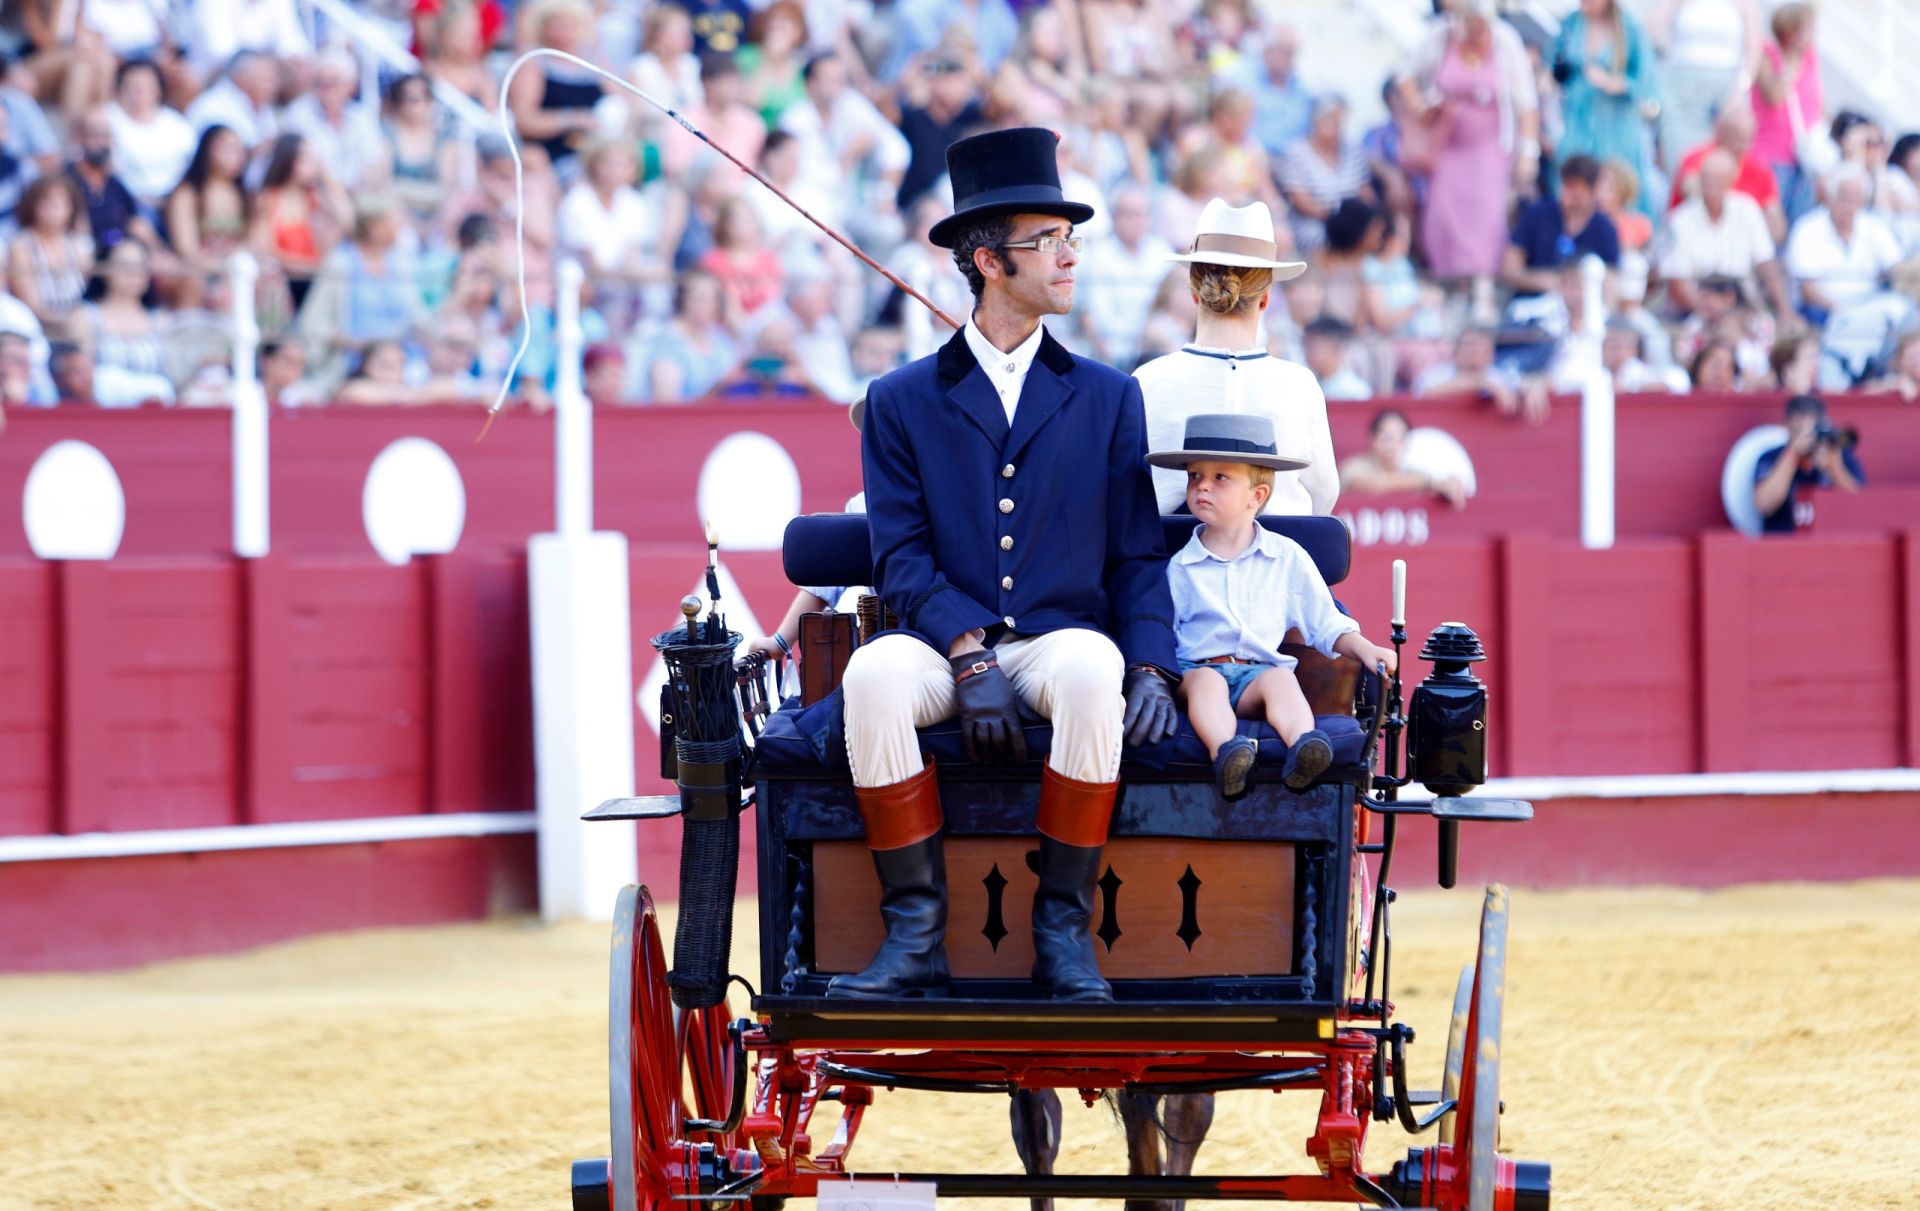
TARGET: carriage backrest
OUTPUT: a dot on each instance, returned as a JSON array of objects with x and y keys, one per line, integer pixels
[{"x": 833, "y": 548}]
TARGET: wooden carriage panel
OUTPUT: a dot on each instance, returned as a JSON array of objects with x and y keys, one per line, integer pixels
[{"x": 1165, "y": 908}]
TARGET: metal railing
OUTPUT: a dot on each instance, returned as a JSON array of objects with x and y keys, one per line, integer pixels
[{"x": 377, "y": 48}]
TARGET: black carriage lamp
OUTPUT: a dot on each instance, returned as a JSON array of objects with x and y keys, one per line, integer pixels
[
  {"x": 707, "y": 697},
  {"x": 1447, "y": 719},
  {"x": 1447, "y": 742},
  {"x": 1445, "y": 727}
]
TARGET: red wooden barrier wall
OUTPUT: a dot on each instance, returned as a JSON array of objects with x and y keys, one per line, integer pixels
[
  {"x": 176, "y": 687},
  {"x": 28, "y": 700},
  {"x": 162, "y": 694},
  {"x": 144, "y": 694},
  {"x": 174, "y": 467}
]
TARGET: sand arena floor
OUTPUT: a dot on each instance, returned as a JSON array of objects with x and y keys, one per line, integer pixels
[{"x": 1747, "y": 1049}]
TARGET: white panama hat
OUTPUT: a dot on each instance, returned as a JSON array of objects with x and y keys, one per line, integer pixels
[{"x": 1241, "y": 236}]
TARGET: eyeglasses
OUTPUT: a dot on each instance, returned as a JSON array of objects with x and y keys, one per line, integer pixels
[{"x": 1049, "y": 245}]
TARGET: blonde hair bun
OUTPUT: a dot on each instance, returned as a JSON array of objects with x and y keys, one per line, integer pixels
[{"x": 1227, "y": 289}]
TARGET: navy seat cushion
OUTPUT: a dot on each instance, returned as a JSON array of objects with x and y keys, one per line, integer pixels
[
  {"x": 783, "y": 749},
  {"x": 834, "y": 548}
]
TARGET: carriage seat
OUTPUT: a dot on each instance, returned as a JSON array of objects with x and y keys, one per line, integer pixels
[
  {"x": 783, "y": 748},
  {"x": 834, "y": 549}
]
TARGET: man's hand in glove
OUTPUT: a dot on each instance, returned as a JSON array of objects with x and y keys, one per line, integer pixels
[
  {"x": 989, "y": 710},
  {"x": 1150, "y": 715}
]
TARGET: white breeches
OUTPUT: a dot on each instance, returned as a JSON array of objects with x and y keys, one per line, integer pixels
[{"x": 897, "y": 683}]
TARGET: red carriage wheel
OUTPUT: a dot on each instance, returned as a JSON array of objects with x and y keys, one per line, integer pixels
[
  {"x": 1465, "y": 1171},
  {"x": 1456, "y": 1048},
  {"x": 1477, "y": 1135},
  {"x": 643, "y": 1061},
  {"x": 705, "y": 1049}
]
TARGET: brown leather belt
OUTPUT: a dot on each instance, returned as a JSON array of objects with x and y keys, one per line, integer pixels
[{"x": 1222, "y": 660}]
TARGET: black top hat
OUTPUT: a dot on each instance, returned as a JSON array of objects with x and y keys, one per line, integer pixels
[{"x": 1004, "y": 172}]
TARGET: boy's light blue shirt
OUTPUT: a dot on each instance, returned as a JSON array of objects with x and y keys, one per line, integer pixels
[{"x": 1243, "y": 607}]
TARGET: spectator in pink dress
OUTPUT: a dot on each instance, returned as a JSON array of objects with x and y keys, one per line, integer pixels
[
  {"x": 1476, "y": 96},
  {"x": 724, "y": 114},
  {"x": 1788, "y": 99}
]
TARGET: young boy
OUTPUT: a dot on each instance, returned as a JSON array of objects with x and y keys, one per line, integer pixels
[{"x": 1237, "y": 588}]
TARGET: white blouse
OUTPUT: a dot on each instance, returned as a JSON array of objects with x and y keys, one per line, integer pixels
[{"x": 1194, "y": 380}]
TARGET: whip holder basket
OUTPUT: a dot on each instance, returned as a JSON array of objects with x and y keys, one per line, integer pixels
[{"x": 707, "y": 757}]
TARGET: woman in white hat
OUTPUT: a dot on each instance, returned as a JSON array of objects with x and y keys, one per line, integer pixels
[{"x": 1233, "y": 264}]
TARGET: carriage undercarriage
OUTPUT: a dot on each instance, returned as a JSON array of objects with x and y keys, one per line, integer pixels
[{"x": 1250, "y": 969}]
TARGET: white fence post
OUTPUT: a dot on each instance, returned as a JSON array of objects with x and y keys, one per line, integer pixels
[
  {"x": 572, "y": 415},
  {"x": 250, "y": 516},
  {"x": 1596, "y": 462},
  {"x": 1596, "y": 418},
  {"x": 582, "y": 660}
]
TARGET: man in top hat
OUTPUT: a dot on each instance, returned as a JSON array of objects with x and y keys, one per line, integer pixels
[{"x": 1015, "y": 536}]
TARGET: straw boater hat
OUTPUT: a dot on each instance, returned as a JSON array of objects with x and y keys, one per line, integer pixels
[
  {"x": 1241, "y": 236},
  {"x": 1228, "y": 437}
]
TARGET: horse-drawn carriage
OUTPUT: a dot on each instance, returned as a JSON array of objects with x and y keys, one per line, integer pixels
[{"x": 1247, "y": 943}]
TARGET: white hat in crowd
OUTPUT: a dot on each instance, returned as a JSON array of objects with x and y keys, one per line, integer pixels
[{"x": 1241, "y": 236}]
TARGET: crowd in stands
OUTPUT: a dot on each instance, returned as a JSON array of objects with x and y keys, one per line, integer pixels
[{"x": 1674, "y": 205}]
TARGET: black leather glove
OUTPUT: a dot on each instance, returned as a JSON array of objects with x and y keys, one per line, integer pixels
[
  {"x": 990, "y": 730},
  {"x": 1150, "y": 716}
]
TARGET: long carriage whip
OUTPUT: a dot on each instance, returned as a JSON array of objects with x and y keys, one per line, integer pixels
[{"x": 520, "y": 211}]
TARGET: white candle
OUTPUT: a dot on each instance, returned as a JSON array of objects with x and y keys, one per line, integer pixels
[{"x": 1399, "y": 618}]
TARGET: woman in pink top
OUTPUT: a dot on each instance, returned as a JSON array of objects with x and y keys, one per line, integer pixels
[
  {"x": 1473, "y": 91},
  {"x": 749, "y": 272},
  {"x": 1787, "y": 99}
]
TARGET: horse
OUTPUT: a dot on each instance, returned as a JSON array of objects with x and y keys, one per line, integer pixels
[{"x": 1179, "y": 1120}]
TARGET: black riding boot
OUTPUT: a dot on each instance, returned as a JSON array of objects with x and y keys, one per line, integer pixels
[
  {"x": 1064, "y": 965},
  {"x": 1073, "y": 832},
  {"x": 903, "y": 826}
]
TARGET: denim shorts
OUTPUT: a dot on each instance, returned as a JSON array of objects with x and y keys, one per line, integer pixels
[{"x": 1239, "y": 676}]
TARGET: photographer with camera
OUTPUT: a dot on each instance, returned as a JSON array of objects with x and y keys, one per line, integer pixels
[{"x": 1817, "y": 454}]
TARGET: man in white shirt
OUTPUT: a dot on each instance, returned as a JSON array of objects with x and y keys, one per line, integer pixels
[
  {"x": 850, "y": 152},
  {"x": 819, "y": 341},
  {"x": 242, "y": 101},
  {"x": 1720, "y": 233},
  {"x": 225, "y": 27},
  {"x": 345, "y": 133},
  {"x": 152, "y": 144},
  {"x": 1471, "y": 372},
  {"x": 1325, "y": 342},
  {"x": 1124, "y": 273},
  {"x": 1841, "y": 253}
]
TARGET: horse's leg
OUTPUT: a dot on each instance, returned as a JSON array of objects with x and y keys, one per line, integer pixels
[
  {"x": 1186, "y": 1117},
  {"x": 1035, "y": 1114},
  {"x": 1144, "y": 1158}
]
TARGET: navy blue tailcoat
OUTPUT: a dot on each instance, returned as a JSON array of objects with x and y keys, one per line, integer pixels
[{"x": 1048, "y": 525}]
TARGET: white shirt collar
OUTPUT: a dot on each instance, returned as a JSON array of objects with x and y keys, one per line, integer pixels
[
  {"x": 999, "y": 364},
  {"x": 1265, "y": 541}
]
